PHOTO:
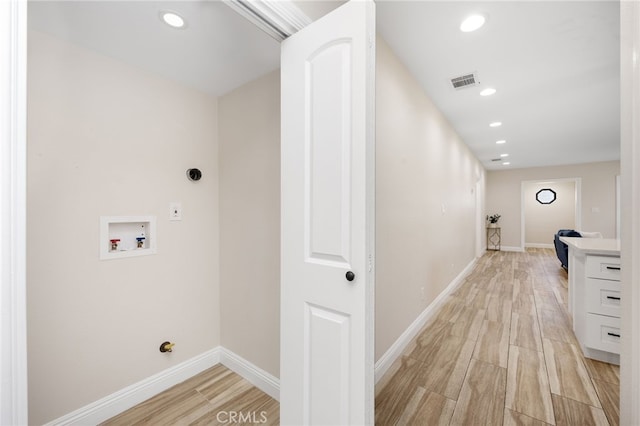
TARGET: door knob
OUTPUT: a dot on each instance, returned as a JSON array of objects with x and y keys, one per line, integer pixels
[{"x": 350, "y": 276}]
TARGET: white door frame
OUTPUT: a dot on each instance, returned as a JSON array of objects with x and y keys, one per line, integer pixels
[
  {"x": 13, "y": 172},
  {"x": 480, "y": 220},
  {"x": 578, "y": 205},
  {"x": 630, "y": 211},
  {"x": 618, "y": 206}
]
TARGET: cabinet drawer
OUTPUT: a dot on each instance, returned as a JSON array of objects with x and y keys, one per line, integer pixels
[
  {"x": 604, "y": 267},
  {"x": 602, "y": 297},
  {"x": 603, "y": 333}
]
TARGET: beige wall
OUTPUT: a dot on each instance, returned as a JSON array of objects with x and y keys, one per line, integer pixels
[
  {"x": 422, "y": 165},
  {"x": 422, "y": 168},
  {"x": 249, "y": 120},
  {"x": 108, "y": 139},
  {"x": 598, "y": 182},
  {"x": 542, "y": 221}
]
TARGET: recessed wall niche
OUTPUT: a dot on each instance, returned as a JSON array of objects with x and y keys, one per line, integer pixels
[{"x": 127, "y": 236}]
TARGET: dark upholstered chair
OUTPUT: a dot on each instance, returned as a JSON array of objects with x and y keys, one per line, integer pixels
[{"x": 562, "y": 250}]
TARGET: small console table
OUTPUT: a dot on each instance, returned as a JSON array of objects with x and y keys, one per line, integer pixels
[{"x": 493, "y": 238}]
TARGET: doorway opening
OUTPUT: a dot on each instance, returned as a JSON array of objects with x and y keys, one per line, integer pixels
[{"x": 547, "y": 206}]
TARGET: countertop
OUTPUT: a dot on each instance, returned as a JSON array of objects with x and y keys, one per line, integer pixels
[{"x": 606, "y": 246}]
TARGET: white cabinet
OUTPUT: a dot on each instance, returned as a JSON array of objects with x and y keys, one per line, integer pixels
[
  {"x": 603, "y": 267},
  {"x": 595, "y": 296},
  {"x": 602, "y": 297},
  {"x": 602, "y": 303},
  {"x": 603, "y": 333}
]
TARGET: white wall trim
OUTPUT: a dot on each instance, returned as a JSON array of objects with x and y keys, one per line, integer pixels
[
  {"x": 122, "y": 400},
  {"x": 277, "y": 18},
  {"x": 538, "y": 245},
  {"x": 630, "y": 211},
  {"x": 391, "y": 355},
  {"x": 480, "y": 218},
  {"x": 508, "y": 248},
  {"x": 618, "y": 206},
  {"x": 255, "y": 375},
  {"x": 13, "y": 167}
]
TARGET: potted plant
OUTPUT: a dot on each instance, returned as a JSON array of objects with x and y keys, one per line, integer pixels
[{"x": 493, "y": 220}]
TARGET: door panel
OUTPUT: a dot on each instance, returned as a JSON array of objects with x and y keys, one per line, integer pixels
[
  {"x": 328, "y": 140},
  {"x": 327, "y": 353},
  {"x": 328, "y": 161}
]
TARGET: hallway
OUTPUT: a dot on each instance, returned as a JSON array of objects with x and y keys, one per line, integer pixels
[{"x": 501, "y": 350}]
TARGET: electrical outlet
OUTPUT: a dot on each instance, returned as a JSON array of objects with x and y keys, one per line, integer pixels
[{"x": 175, "y": 211}]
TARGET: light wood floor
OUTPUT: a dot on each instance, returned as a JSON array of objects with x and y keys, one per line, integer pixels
[
  {"x": 217, "y": 396},
  {"x": 501, "y": 351}
]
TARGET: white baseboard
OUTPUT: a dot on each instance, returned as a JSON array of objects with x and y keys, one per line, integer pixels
[
  {"x": 389, "y": 357},
  {"x": 122, "y": 400},
  {"x": 255, "y": 375},
  {"x": 114, "y": 404},
  {"x": 539, "y": 245},
  {"x": 507, "y": 248}
]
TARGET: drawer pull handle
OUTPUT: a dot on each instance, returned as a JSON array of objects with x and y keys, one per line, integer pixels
[
  {"x": 613, "y": 268},
  {"x": 613, "y": 298},
  {"x": 613, "y": 334}
]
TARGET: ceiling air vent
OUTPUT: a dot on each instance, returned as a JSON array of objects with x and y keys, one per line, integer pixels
[
  {"x": 496, "y": 159},
  {"x": 464, "y": 81}
]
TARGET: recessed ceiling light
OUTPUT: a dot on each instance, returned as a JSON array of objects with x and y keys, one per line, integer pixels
[
  {"x": 504, "y": 155},
  {"x": 506, "y": 163},
  {"x": 500, "y": 142},
  {"x": 172, "y": 19},
  {"x": 472, "y": 23},
  {"x": 488, "y": 91},
  {"x": 495, "y": 124}
]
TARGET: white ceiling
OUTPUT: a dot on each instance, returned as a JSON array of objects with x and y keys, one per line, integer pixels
[
  {"x": 555, "y": 65},
  {"x": 217, "y": 52}
]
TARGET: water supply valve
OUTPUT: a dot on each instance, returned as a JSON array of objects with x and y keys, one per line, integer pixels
[
  {"x": 140, "y": 242},
  {"x": 114, "y": 244}
]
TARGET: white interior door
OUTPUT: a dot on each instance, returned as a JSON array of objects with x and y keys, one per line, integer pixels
[{"x": 326, "y": 374}]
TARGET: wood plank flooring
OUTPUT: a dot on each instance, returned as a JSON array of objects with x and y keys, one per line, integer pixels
[
  {"x": 216, "y": 396},
  {"x": 501, "y": 351}
]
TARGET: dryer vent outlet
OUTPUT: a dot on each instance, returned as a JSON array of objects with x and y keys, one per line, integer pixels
[{"x": 194, "y": 174}]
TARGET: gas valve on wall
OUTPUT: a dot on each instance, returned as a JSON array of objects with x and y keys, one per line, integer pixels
[{"x": 167, "y": 347}]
